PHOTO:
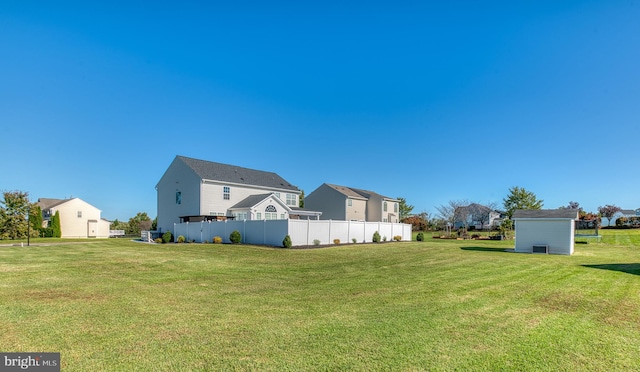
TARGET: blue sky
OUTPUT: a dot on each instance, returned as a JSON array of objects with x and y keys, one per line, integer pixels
[{"x": 430, "y": 101}]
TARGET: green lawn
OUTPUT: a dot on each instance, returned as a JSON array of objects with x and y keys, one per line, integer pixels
[{"x": 118, "y": 305}]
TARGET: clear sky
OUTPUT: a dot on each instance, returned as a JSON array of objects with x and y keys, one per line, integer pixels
[{"x": 431, "y": 101}]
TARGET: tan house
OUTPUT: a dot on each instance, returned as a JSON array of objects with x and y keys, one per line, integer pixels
[
  {"x": 351, "y": 204},
  {"x": 78, "y": 219},
  {"x": 194, "y": 190}
]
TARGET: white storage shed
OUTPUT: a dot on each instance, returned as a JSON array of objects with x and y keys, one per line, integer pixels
[{"x": 545, "y": 230}]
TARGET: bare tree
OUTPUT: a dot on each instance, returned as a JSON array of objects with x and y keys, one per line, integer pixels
[
  {"x": 453, "y": 211},
  {"x": 609, "y": 211},
  {"x": 482, "y": 213}
]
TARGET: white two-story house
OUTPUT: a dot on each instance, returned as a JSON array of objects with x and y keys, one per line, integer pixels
[{"x": 193, "y": 190}]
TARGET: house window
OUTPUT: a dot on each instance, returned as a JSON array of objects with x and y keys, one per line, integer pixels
[
  {"x": 349, "y": 202},
  {"x": 258, "y": 216},
  {"x": 291, "y": 199},
  {"x": 79, "y": 214},
  {"x": 178, "y": 197},
  {"x": 270, "y": 213},
  {"x": 278, "y": 195},
  {"x": 282, "y": 216},
  {"x": 395, "y": 207},
  {"x": 384, "y": 206},
  {"x": 226, "y": 193}
]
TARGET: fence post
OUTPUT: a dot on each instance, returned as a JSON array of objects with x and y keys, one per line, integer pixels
[{"x": 308, "y": 228}]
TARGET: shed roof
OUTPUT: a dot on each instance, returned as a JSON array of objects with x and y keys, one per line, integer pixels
[
  {"x": 546, "y": 213},
  {"x": 208, "y": 170}
]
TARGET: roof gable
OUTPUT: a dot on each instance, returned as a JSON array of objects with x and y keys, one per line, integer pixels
[
  {"x": 208, "y": 170},
  {"x": 357, "y": 193}
]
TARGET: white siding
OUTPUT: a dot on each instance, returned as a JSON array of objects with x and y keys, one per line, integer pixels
[{"x": 558, "y": 234}]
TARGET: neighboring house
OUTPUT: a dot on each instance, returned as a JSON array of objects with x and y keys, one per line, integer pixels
[
  {"x": 351, "y": 204},
  {"x": 476, "y": 215},
  {"x": 629, "y": 214},
  {"x": 78, "y": 219},
  {"x": 545, "y": 230},
  {"x": 193, "y": 190}
]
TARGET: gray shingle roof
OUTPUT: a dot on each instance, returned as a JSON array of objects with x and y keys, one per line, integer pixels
[
  {"x": 250, "y": 201},
  {"x": 48, "y": 203},
  {"x": 357, "y": 193},
  {"x": 546, "y": 213},
  {"x": 209, "y": 170}
]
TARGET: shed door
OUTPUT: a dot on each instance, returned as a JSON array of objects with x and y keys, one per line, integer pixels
[{"x": 92, "y": 231}]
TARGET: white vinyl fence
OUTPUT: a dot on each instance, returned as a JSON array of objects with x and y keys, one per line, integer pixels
[{"x": 302, "y": 232}]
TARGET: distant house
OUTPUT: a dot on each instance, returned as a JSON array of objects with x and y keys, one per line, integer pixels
[
  {"x": 629, "y": 214},
  {"x": 352, "y": 204},
  {"x": 476, "y": 215},
  {"x": 193, "y": 190},
  {"x": 78, "y": 219},
  {"x": 545, "y": 230}
]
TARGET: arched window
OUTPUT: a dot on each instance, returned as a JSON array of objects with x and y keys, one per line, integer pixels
[{"x": 270, "y": 213}]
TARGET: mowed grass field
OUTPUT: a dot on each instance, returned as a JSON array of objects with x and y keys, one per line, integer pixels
[{"x": 117, "y": 305}]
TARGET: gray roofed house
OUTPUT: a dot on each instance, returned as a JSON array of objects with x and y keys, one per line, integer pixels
[
  {"x": 352, "y": 204},
  {"x": 196, "y": 190}
]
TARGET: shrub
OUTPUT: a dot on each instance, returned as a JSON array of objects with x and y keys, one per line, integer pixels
[
  {"x": 158, "y": 240},
  {"x": 376, "y": 237},
  {"x": 397, "y": 238},
  {"x": 354, "y": 240},
  {"x": 167, "y": 237},
  {"x": 217, "y": 240},
  {"x": 336, "y": 241},
  {"x": 287, "y": 242},
  {"x": 235, "y": 237},
  {"x": 205, "y": 242},
  {"x": 316, "y": 242},
  {"x": 384, "y": 239},
  {"x": 420, "y": 237}
]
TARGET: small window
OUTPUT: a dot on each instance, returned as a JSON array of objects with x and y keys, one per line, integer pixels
[
  {"x": 258, "y": 216},
  {"x": 384, "y": 207},
  {"x": 291, "y": 199},
  {"x": 79, "y": 214},
  {"x": 395, "y": 207},
  {"x": 282, "y": 216},
  {"x": 178, "y": 197},
  {"x": 349, "y": 202},
  {"x": 226, "y": 193}
]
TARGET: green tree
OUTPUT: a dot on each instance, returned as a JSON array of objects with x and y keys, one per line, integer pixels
[
  {"x": 13, "y": 215},
  {"x": 35, "y": 219},
  {"x": 519, "y": 198},
  {"x": 55, "y": 225},
  {"x": 301, "y": 200},
  {"x": 139, "y": 222},
  {"x": 404, "y": 208}
]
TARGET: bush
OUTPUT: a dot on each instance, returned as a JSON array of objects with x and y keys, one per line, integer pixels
[
  {"x": 420, "y": 237},
  {"x": 376, "y": 237},
  {"x": 47, "y": 232},
  {"x": 217, "y": 240},
  {"x": 181, "y": 239},
  {"x": 336, "y": 241},
  {"x": 158, "y": 240},
  {"x": 354, "y": 240},
  {"x": 235, "y": 237},
  {"x": 287, "y": 242},
  {"x": 384, "y": 238},
  {"x": 316, "y": 242},
  {"x": 397, "y": 238},
  {"x": 167, "y": 237}
]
